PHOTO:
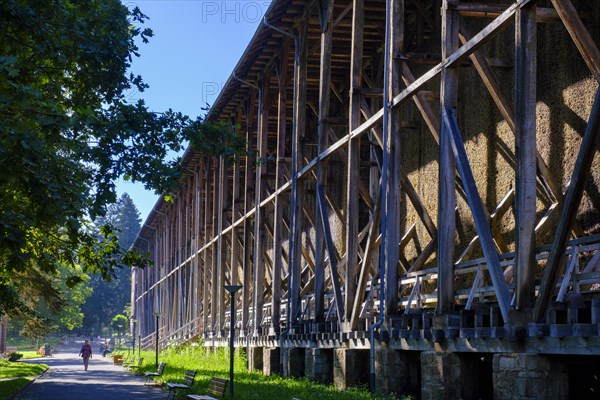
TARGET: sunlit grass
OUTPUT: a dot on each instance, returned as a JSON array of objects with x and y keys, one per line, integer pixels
[
  {"x": 15, "y": 369},
  {"x": 9, "y": 387},
  {"x": 248, "y": 385},
  {"x": 15, "y": 375}
]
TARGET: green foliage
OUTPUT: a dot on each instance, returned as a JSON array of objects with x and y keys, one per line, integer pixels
[
  {"x": 14, "y": 355},
  {"x": 216, "y": 139},
  {"x": 248, "y": 385},
  {"x": 119, "y": 322},
  {"x": 67, "y": 133}
]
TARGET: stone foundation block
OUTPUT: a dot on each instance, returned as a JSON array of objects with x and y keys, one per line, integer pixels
[{"x": 520, "y": 376}]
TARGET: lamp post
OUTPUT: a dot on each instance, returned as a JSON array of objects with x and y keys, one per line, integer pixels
[
  {"x": 120, "y": 326},
  {"x": 231, "y": 289},
  {"x": 133, "y": 335},
  {"x": 157, "y": 315}
]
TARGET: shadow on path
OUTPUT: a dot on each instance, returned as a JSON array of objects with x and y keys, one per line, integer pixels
[{"x": 67, "y": 380}]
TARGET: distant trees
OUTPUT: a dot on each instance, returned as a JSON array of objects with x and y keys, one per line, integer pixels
[{"x": 111, "y": 296}]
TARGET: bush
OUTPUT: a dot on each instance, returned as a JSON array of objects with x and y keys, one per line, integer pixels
[{"x": 14, "y": 356}]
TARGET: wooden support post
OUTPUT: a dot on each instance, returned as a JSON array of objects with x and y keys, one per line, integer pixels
[
  {"x": 447, "y": 183},
  {"x": 322, "y": 134},
  {"x": 235, "y": 214},
  {"x": 196, "y": 242},
  {"x": 299, "y": 121},
  {"x": 364, "y": 270},
  {"x": 581, "y": 172},
  {"x": 333, "y": 261},
  {"x": 481, "y": 224},
  {"x": 260, "y": 185},
  {"x": 220, "y": 188},
  {"x": 353, "y": 159},
  {"x": 580, "y": 35},
  {"x": 279, "y": 181},
  {"x": 207, "y": 263},
  {"x": 391, "y": 227},
  {"x": 214, "y": 290},
  {"x": 525, "y": 148}
]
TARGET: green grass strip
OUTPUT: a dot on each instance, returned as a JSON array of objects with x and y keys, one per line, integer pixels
[
  {"x": 248, "y": 385},
  {"x": 12, "y": 386}
]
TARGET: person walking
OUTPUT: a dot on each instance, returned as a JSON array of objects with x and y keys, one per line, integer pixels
[{"x": 86, "y": 353}]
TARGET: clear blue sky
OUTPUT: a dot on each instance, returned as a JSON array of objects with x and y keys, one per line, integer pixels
[{"x": 195, "y": 47}]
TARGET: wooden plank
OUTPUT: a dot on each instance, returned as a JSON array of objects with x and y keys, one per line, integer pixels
[
  {"x": 481, "y": 10},
  {"x": 481, "y": 224},
  {"x": 333, "y": 261},
  {"x": 580, "y": 35},
  {"x": 447, "y": 166},
  {"x": 525, "y": 148},
  {"x": 581, "y": 172},
  {"x": 322, "y": 135}
]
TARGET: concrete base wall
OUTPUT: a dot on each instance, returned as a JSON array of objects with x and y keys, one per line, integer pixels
[
  {"x": 319, "y": 365},
  {"x": 255, "y": 358},
  {"x": 271, "y": 361},
  {"x": 397, "y": 372},
  {"x": 529, "y": 376},
  {"x": 350, "y": 368},
  {"x": 441, "y": 376},
  {"x": 293, "y": 362}
]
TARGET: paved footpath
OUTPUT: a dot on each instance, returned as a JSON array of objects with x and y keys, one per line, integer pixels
[{"x": 66, "y": 379}]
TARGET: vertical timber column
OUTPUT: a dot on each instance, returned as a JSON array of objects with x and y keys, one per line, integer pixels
[
  {"x": 392, "y": 148},
  {"x": 235, "y": 214},
  {"x": 207, "y": 264},
  {"x": 322, "y": 133},
  {"x": 447, "y": 167},
  {"x": 299, "y": 122},
  {"x": 196, "y": 245},
  {"x": 247, "y": 261},
  {"x": 214, "y": 281},
  {"x": 259, "y": 214},
  {"x": 178, "y": 317},
  {"x": 279, "y": 180},
  {"x": 525, "y": 146},
  {"x": 220, "y": 189},
  {"x": 353, "y": 160}
]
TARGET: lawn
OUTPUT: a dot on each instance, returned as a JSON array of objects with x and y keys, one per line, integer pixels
[
  {"x": 248, "y": 385},
  {"x": 15, "y": 375}
]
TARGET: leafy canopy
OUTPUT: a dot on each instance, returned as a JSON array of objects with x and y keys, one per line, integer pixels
[{"x": 68, "y": 132}]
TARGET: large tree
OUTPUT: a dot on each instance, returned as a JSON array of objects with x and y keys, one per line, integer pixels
[
  {"x": 67, "y": 133},
  {"x": 111, "y": 296}
]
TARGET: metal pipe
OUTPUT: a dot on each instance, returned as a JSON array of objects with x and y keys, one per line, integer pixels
[
  {"x": 277, "y": 29},
  {"x": 384, "y": 168}
]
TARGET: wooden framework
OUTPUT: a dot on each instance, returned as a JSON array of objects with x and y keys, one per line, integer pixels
[{"x": 329, "y": 222}]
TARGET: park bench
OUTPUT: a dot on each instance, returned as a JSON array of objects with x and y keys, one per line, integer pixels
[
  {"x": 159, "y": 371},
  {"x": 128, "y": 361},
  {"x": 136, "y": 366},
  {"x": 188, "y": 381},
  {"x": 216, "y": 389}
]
